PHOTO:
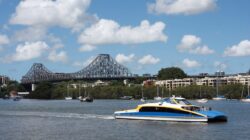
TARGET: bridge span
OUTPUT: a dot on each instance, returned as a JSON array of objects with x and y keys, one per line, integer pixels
[{"x": 103, "y": 67}]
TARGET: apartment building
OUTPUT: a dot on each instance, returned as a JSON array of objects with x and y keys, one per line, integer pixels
[{"x": 211, "y": 81}]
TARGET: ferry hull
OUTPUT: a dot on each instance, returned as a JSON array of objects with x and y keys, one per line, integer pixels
[
  {"x": 209, "y": 116},
  {"x": 174, "y": 119}
]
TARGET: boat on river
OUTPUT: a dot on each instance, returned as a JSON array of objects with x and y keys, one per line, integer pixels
[
  {"x": 247, "y": 98},
  {"x": 126, "y": 97},
  {"x": 157, "y": 98},
  {"x": 219, "y": 97},
  {"x": 87, "y": 99},
  {"x": 172, "y": 109},
  {"x": 203, "y": 100},
  {"x": 68, "y": 97}
]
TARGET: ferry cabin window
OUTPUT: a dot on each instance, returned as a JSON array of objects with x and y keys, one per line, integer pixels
[
  {"x": 161, "y": 109},
  {"x": 183, "y": 102},
  {"x": 168, "y": 100}
]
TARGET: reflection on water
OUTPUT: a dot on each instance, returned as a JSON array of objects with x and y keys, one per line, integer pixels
[{"x": 60, "y": 119}]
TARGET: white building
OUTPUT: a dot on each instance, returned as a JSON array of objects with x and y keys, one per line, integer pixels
[{"x": 206, "y": 81}]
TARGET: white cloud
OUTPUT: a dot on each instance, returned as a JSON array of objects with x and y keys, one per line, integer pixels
[
  {"x": 4, "y": 40},
  {"x": 242, "y": 49},
  {"x": 188, "y": 42},
  {"x": 219, "y": 65},
  {"x": 191, "y": 44},
  {"x": 186, "y": 7},
  {"x": 190, "y": 63},
  {"x": 148, "y": 59},
  {"x": 58, "y": 57},
  {"x": 64, "y": 13},
  {"x": 28, "y": 51},
  {"x": 31, "y": 34},
  {"x": 202, "y": 50},
  {"x": 110, "y": 32},
  {"x": 121, "y": 58},
  {"x": 87, "y": 48}
]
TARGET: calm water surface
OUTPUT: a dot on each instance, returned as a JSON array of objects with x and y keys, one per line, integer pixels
[{"x": 73, "y": 120}]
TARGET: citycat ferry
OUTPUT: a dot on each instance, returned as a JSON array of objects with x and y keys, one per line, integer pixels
[{"x": 172, "y": 109}]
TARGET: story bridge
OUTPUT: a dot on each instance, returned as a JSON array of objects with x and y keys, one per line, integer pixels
[{"x": 103, "y": 67}]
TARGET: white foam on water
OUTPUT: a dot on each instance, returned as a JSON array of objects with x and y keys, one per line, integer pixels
[{"x": 58, "y": 115}]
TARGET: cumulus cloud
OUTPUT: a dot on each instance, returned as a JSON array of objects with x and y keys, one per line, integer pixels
[
  {"x": 31, "y": 34},
  {"x": 110, "y": 32},
  {"x": 242, "y": 49},
  {"x": 121, "y": 58},
  {"x": 4, "y": 40},
  {"x": 87, "y": 48},
  {"x": 202, "y": 50},
  {"x": 190, "y": 63},
  {"x": 28, "y": 51},
  {"x": 64, "y": 13},
  {"x": 186, "y": 7},
  {"x": 192, "y": 44},
  {"x": 58, "y": 57},
  {"x": 148, "y": 59}
]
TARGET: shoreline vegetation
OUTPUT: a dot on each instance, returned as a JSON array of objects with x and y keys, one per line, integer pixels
[{"x": 117, "y": 89}]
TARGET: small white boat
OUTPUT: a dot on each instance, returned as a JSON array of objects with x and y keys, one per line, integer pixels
[
  {"x": 143, "y": 99},
  {"x": 247, "y": 99},
  {"x": 87, "y": 99},
  {"x": 80, "y": 97},
  {"x": 68, "y": 98},
  {"x": 158, "y": 98},
  {"x": 202, "y": 100},
  {"x": 172, "y": 109},
  {"x": 217, "y": 98},
  {"x": 126, "y": 97}
]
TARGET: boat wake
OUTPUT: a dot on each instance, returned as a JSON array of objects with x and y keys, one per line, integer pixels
[{"x": 57, "y": 115}]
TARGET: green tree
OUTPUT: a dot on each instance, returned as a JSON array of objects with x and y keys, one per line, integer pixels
[
  {"x": 43, "y": 91},
  {"x": 171, "y": 73}
]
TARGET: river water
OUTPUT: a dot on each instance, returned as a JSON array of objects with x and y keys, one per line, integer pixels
[{"x": 73, "y": 120}]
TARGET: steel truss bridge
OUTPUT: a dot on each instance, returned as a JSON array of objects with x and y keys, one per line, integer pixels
[{"x": 103, "y": 67}]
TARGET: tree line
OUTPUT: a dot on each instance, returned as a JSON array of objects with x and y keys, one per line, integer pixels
[
  {"x": 117, "y": 89},
  {"x": 59, "y": 91}
]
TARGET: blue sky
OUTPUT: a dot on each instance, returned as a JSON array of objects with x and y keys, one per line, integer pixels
[{"x": 144, "y": 35}]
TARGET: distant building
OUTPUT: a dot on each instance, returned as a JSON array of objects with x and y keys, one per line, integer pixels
[
  {"x": 146, "y": 75},
  {"x": 203, "y": 74},
  {"x": 4, "y": 80},
  {"x": 205, "y": 81},
  {"x": 219, "y": 73}
]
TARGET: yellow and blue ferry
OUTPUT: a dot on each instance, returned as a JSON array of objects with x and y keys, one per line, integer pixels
[{"x": 172, "y": 109}]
